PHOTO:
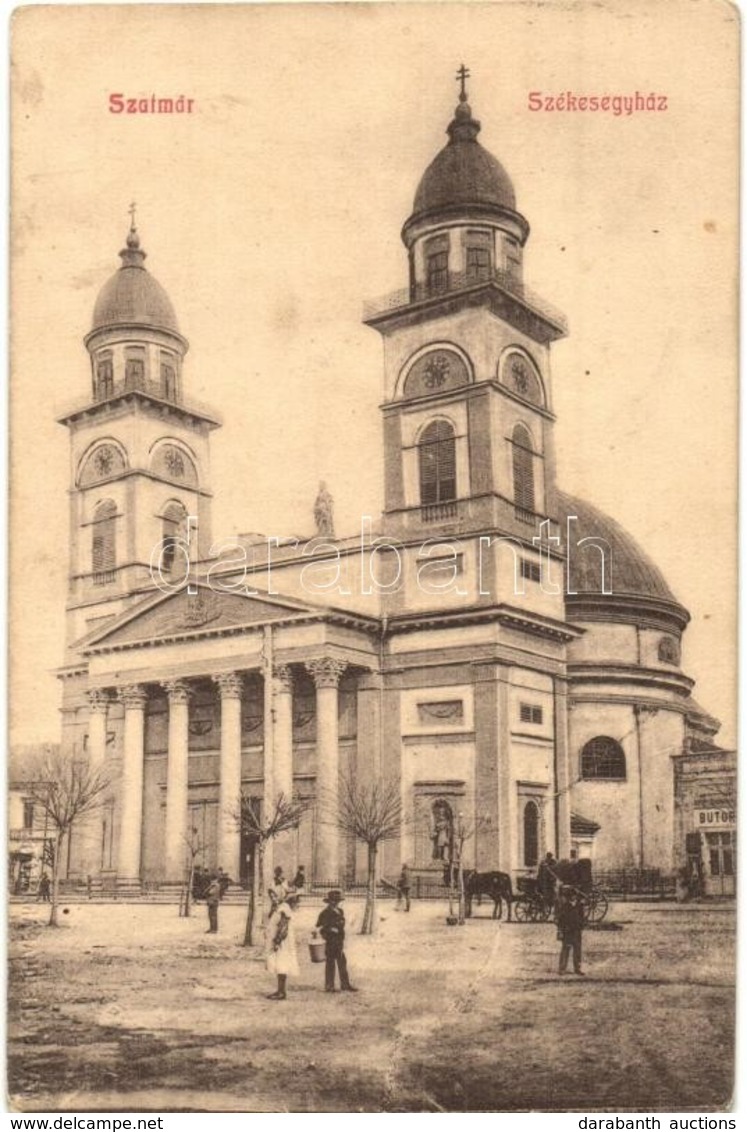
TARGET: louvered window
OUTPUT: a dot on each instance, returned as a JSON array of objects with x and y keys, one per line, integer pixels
[
  {"x": 523, "y": 459},
  {"x": 437, "y": 453},
  {"x": 104, "y": 543}
]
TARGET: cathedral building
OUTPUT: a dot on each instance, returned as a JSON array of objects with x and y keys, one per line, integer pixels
[{"x": 507, "y": 654}]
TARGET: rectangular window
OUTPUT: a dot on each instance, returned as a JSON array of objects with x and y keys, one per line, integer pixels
[
  {"x": 530, "y": 570},
  {"x": 438, "y": 271},
  {"x": 478, "y": 263},
  {"x": 28, "y": 815},
  {"x": 530, "y": 713},
  {"x": 513, "y": 255}
]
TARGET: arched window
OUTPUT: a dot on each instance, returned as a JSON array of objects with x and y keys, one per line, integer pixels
[
  {"x": 523, "y": 473},
  {"x": 603, "y": 757},
  {"x": 104, "y": 543},
  {"x": 437, "y": 460},
  {"x": 531, "y": 835},
  {"x": 174, "y": 517}
]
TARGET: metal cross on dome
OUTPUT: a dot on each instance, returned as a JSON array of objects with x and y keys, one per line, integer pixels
[
  {"x": 131, "y": 211},
  {"x": 461, "y": 76}
]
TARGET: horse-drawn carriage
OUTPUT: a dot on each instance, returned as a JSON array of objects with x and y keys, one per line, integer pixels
[{"x": 534, "y": 905}]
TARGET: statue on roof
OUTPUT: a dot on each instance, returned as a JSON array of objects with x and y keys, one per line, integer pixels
[{"x": 324, "y": 512}]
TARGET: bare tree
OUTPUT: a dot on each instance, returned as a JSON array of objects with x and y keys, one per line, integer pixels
[
  {"x": 261, "y": 825},
  {"x": 67, "y": 787},
  {"x": 194, "y": 846},
  {"x": 462, "y": 832},
  {"x": 371, "y": 812}
]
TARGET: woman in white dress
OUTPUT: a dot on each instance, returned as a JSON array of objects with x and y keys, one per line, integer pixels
[{"x": 282, "y": 959}]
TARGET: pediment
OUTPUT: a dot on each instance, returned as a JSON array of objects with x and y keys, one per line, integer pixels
[{"x": 186, "y": 614}]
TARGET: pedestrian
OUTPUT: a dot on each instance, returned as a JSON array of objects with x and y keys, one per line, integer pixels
[
  {"x": 570, "y": 927},
  {"x": 299, "y": 881},
  {"x": 331, "y": 923},
  {"x": 546, "y": 878},
  {"x": 44, "y": 888},
  {"x": 224, "y": 881},
  {"x": 282, "y": 959},
  {"x": 278, "y": 890},
  {"x": 403, "y": 888},
  {"x": 212, "y": 896}
]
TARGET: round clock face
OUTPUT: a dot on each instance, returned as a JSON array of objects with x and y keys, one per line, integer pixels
[
  {"x": 174, "y": 462},
  {"x": 520, "y": 376},
  {"x": 104, "y": 460}
]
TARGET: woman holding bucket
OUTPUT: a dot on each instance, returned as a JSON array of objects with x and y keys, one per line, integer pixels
[{"x": 282, "y": 959}]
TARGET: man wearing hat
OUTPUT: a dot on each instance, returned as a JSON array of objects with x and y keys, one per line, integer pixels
[
  {"x": 331, "y": 924},
  {"x": 570, "y": 926}
]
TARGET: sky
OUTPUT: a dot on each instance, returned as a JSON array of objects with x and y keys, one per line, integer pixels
[{"x": 274, "y": 211}]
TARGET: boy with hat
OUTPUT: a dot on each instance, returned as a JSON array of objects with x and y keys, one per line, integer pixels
[{"x": 331, "y": 923}]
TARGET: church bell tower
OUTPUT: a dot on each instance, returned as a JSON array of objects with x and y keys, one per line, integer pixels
[
  {"x": 139, "y": 448},
  {"x": 467, "y": 408}
]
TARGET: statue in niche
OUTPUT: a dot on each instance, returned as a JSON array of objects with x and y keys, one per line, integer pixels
[
  {"x": 442, "y": 830},
  {"x": 324, "y": 512}
]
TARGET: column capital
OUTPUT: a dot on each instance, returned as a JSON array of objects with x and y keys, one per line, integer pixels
[
  {"x": 98, "y": 701},
  {"x": 133, "y": 696},
  {"x": 230, "y": 684},
  {"x": 326, "y": 672},
  {"x": 283, "y": 674},
  {"x": 178, "y": 691}
]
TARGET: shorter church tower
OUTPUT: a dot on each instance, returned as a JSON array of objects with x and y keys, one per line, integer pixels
[{"x": 139, "y": 450}]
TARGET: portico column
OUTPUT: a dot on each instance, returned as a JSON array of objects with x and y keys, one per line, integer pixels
[
  {"x": 134, "y": 698},
  {"x": 326, "y": 674},
  {"x": 229, "y": 832},
  {"x": 87, "y": 831},
  {"x": 177, "y": 780},
  {"x": 282, "y": 769}
]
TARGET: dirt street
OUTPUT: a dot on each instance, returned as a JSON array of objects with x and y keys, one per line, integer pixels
[{"x": 127, "y": 1006}]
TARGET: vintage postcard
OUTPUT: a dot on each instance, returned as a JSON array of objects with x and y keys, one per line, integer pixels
[{"x": 373, "y": 559}]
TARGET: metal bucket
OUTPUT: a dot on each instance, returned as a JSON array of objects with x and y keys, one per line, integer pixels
[{"x": 317, "y": 951}]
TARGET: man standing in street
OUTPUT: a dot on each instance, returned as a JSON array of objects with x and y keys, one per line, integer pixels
[
  {"x": 331, "y": 923},
  {"x": 403, "y": 888},
  {"x": 212, "y": 898},
  {"x": 570, "y": 926}
]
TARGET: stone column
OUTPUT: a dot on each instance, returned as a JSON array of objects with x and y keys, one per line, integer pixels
[
  {"x": 326, "y": 674},
  {"x": 134, "y": 698},
  {"x": 177, "y": 781},
  {"x": 282, "y": 764},
  {"x": 229, "y": 831},
  {"x": 87, "y": 831}
]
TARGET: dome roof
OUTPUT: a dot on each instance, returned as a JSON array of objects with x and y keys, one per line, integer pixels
[
  {"x": 632, "y": 573},
  {"x": 464, "y": 174},
  {"x": 132, "y": 295}
]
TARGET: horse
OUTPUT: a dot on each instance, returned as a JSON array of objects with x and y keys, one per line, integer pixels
[{"x": 494, "y": 884}]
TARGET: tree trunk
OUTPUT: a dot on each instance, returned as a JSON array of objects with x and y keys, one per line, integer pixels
[
  {"x": 451, "y": 891},
  {"x": 190, "y": 881},
  {"x": 460, "y": 875},
  {"x": 249, "y": 928},
  {"x": 369, "y": 915},
  {"x": 53, "y": 911},
  {"x": 261, "y": 882}
]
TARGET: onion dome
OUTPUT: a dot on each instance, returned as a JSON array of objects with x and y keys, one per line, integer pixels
[
  {"x": 639, "y": 589},
  {"x": 464, "y": 178},
  {"x": 132, "y": 296}
]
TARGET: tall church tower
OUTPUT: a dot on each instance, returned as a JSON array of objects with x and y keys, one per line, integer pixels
[
  {"x": 139, "y": 451},
  {"x": 468, "y": 408}
]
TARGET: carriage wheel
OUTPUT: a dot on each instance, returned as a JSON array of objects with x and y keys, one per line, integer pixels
[
  {"x": 596, "y": 908},
  {"x": 523, "y": 910}
]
